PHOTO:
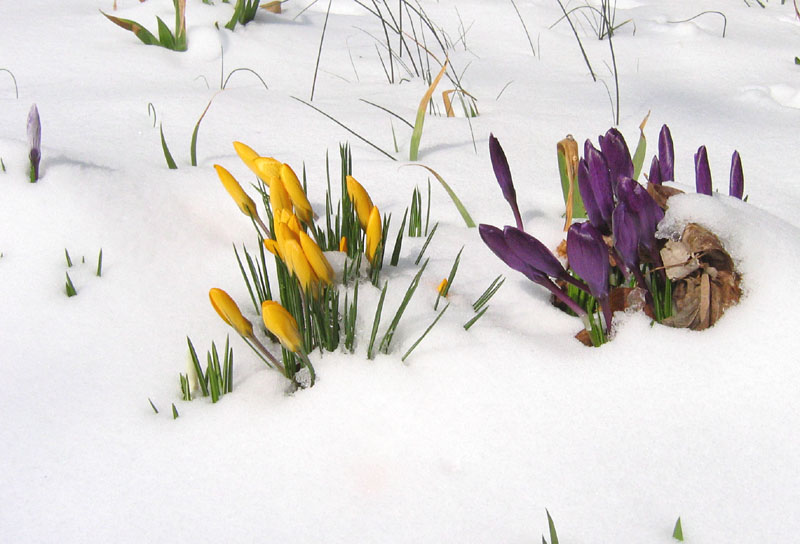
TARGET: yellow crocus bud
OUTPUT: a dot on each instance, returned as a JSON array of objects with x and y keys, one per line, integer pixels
[
  {"x": 361, "y": 200},
  {"x": 291, "y": 221},
  {"x": 374, "y": 234},
  {"x": 316, "y": 258},
  {"x": 247, "y": 154},
  {"x": 229, "y": 312},
  {"x": 272, "y": 247},
  {"x": 267, "y": 169},
  {"x": 278, "y": 197},
  {"x": 244, "y": 202},
  {"x": 281, "y": 323},
  {"x": 343, "y": 244},
  {"x": 297, "y": 263},
  {"x": 295, "y": 189},
  {"x": 284, "y": 234},
  {"x": 442, "y": 287}
]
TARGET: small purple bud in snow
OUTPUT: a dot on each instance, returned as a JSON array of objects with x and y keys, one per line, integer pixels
[
  {"x": 594, "y": 184},
  {"x": 503, "y": 174},
  {"x": 34, "y": 141},
  {"x": 617, "y": 155},
  {"x": 655, "y": 172},
  {"x": 626, "y": 235},
  {"x": 737, "y": 177},
  {"x": 666, "y": 154},
  {"x": 588, "y": 257},
  {"x": 702, "y": 171}
]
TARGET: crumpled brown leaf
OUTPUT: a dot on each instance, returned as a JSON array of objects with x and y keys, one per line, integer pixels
[
  {"x": 708, "y": 281},
  {"x": 661, "y": 193}
]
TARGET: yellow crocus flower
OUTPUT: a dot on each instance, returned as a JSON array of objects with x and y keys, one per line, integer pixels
[
  {"x": 361, "y": 200},
  {"x": 281, "y": 323},
  {"x": 442, "y": 287},
  {"x": 229, "y": 312},
  {"x": 272, "y": 247},
  {"x": 247, "y": 154},
  {"x": 267, "y": 169},
  {"x": 278, "y": 197},
  {"x": 244, "y": 202},
  {"x": 298, "y": 264},
  {"x": 316, "y": 258},
  {"x": 295, "y": 189},
  {"x": 343, "y": 244},
  {"x": 284, "y": 234},
  {"x": 374, "y": 233}
]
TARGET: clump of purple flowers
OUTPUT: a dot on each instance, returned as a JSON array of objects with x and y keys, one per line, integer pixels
[{"x": 620, "y": 231}]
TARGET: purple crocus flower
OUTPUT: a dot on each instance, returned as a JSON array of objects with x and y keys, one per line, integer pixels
[
  {"x": 655, "y": 172},
  {"x": 666, "y": 154},
  {"x": 702, "y": 171},
  {"x": 594, "y": 184},
  {"x": 737, "y": 177},
  {"x": 503, "y": 174},
  {"x": 646, "y": 213},
  {"x": 34, "y": 142},
  {"x": 626, "y": 235},
  {"x": 536, "y": 255},
  {"x": 497, "y": 242},
  {"x": 588, "y": 257},
  {"x": 617, "y": 155}
]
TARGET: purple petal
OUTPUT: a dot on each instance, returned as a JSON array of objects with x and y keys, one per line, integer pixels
[
  {"x": 533, "y": 253},
  {"x": 626, "y": 235},
  {"x": 617, "y": 155},
  {"x": 503, "y": 174},
  {"x": 599, "y": 185},
  {"x": 666, "y": 154},
  {"x": 655, "y": 172},
  {"x": 737, "y": 177},
  {"x": 702, "y": 171},
  {"x": 642, "y": 206},
  {"x": 588, "y": 257},
  {"x": 495, "y": 240}
]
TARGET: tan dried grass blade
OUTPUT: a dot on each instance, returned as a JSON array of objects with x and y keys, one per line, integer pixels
[
  {"x": 568, "y": 148},
  {"x": 448, "y": 105},
  {"x": 273, "y": 7}
]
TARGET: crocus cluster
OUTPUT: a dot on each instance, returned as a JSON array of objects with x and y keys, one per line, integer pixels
[
  {"x": 369, "y": 218},
  {"x": 621, "y": 226}
]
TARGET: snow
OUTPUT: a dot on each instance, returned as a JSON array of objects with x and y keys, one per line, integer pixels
[{"x": 478, "y": 431}]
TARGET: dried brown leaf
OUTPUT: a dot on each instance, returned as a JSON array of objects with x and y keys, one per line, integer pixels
[
  {"x": 662, "y": 193},
  {"x": 273, "y": 7}
]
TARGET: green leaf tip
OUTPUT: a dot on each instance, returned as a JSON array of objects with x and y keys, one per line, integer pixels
[{"x": 677, "y": 533}]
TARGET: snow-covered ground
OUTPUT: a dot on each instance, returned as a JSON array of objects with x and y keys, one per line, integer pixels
[{"x": 478, "y": 431}]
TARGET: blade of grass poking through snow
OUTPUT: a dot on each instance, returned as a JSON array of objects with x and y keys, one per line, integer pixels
[
  {"x": 450, "y": 278},
  {"x": 399, "y": 241},
  {"x": 197, "y": 129},
  {"x": 201, "y": 377},
  {"x": 456, "y": 201},
  {"x": 489, "y": 293},
  {"x": 524, "y": 27},
  {"x": 348, "y": 129},
  {"x": 350, "y": 320},
  {"x": 69, "y": 287},
  {"x": 376, "y": 322},
  {"x": 416, "y": 135},
  {"x": 138, "y": 30},
  {"x": 319, "y": 52},
  {"x": 69, "y": 261},
  {"x": 677, "y": 532},
  {"x": 552, "y": 527},
  {"x": 167, "y": 155},
  {"x": 425, "y": 245},
  {"x": 641, "y": 149},
  {"x": 386, "y": 342},
  {"x": 153, "y": 406},
  {"x": 424, "y": 334},
  {"x": 99, "y": 271},
  {"x": 175, "y": 414},
  {"x": 472, "y": 321},
  {"x": 246, "y": 280},
  {"x": 16, "y": 89}
]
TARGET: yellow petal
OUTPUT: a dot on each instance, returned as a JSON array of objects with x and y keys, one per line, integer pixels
[
  {"x": 374, "y": 233},
  {"x": 278, "y": 197},
  {"x": 267, "y": 169},
  {"x": 229, "y": 312},
  {"x": 317, "y": 260},
  {"x": 244, "y": 202},
  {"x": 361, "y": 200},
  {"x": 284, "y": 234},
  {"x": 442, "y": 287},
  {"x": 281, "y": 323},
  {"x": 272, "y": 247},
  {"x": 343, "y": 244},
  {"x": 292, "y": 185},
  {"x": 298, "y": 263},
  {"x": 247, "y": 154}
]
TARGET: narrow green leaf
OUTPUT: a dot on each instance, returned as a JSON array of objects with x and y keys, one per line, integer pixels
[
  {"x": 398, "y": 243},
  {"x": 175, "y": 413},
  {"x": 70, "y": 288},
  {"x": 376, "y": 322},
  {"x": 456, "y": 201},
  {"x": 677, "y": 533},
  {"x": 99, "y": 271},
  {"x": 167, "y": 155},
  {"x": 69, "y": 261},
  {"x": 416, "y": 135},
  {"x": 138, "y": 30},
  {"x": 424, "y": 334},
  {"x": 425, "y": 245},
  {"x": 552, "y": 526},
  {"x": 165, "y": 35},
  {"x": 389, "y": 334},
  {"x": 153, "y": 406},
  {"x": 641, "y": 149},
  {"x": 488, "y": 293},
  {"x": 201, "y": 378},
  {"x": 472, "y": 321},
  {"x": 193, "y": 146},
  {"x": 578, "y": 209}
]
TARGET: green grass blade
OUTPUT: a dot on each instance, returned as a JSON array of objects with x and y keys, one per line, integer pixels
[
  {"x": 398, "y": 243},
  {"x": 138, "y": 30},
  {"x": 69, "y": 260},
  {"x": 165, "y": 36},
  {"x": 175, "y": 413},
  {"x": 99, "y": 271},
  {"x": 389, "y": 334},
  {"x": 201, "y": 378},
  {"x": 456, "y": 201},
  {"x": 70, "y": 288},
  {"x": 167, "y": 155},
  {"x": 552, "y": 527},
  {"x": 424, "y": 334},
  {"x": 197, "y": 129},
  {"x": 416, "y": 135},
  {"x": 153, "y": 406},
  {"x": 376, "y": 322},
  {"x": 472, "y": 321},
  {"x": 641, "y": 149},
  {"x": 425, "y": 245},
  {"x": 488, "y": 293},
  {"x": 677, "y": 533}
]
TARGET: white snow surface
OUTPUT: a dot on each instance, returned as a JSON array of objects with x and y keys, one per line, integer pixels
[{"x": 478, "y": 431}]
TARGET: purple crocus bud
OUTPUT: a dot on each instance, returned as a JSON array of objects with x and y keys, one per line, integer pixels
[
  {"x": 533, "y": 253},
  {"x": 702, "y": 171},
  {"x": 34, "y": 142},
  {"x": 594, "y": 184},
  {"x": 655, "y": 172},
  {"x": 626, "y": 235},
  {"x": 617, "y": 155},
  {"x": 737, "y": 177},
  {"x": 503, "y": 174},
  {"x": 646, "y": 211},
  {"x": 666, "y": 154},
  {"x": 588, "y": 257}
]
